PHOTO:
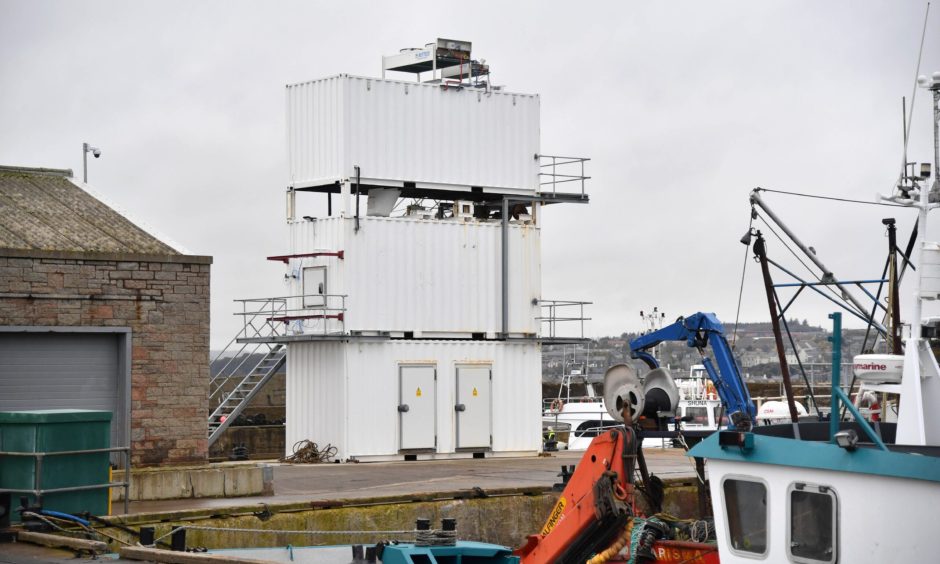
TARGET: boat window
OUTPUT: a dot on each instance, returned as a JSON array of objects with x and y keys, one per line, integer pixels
[
  {"x": 699, "y": 415},
  {"x": 746, "y": 510},
  {"x": 593, "y": 428},
  {"x": 813, "y": 517}
]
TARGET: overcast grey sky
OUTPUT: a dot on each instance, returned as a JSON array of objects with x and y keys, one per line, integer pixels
[{"x": 683, "y": 107}]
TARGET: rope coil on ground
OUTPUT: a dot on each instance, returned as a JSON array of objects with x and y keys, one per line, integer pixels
[
  {"x": 435, "y": 538},
  {"x": 309, "y": 452}
]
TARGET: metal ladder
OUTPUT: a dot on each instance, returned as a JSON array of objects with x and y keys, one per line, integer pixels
[{"x": 230, "y": 405}]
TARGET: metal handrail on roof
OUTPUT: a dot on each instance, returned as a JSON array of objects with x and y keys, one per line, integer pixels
[
  {"x": 550, "y": 316},
  {"x": 555, "y": 170}
]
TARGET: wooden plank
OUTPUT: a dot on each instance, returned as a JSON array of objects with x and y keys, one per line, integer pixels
[
  {"x": 57, "y": 540},
  {"x": 171, "y": 557}
]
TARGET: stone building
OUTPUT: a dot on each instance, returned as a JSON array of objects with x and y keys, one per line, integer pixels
[{"x": 98, "y": 313}]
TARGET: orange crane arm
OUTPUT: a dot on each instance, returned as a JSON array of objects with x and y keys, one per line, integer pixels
[{"x": 595, "y": 506}]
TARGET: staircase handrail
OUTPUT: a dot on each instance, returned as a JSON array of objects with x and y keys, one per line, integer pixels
[{"x": 270, "y": 307}]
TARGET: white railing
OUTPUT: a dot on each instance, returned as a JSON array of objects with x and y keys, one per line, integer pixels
[
  {"x": 256, "y": 327},
  {"x": 555, "y": 170},
  {"x": 555, "y": 312},
  {"x": 280, "y": 313}
]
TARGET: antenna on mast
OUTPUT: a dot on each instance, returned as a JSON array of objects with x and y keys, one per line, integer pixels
[{"x": 910, "y": 114}]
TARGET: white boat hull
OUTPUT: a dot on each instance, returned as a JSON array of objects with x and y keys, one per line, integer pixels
[{"x": 880, "y": 519}]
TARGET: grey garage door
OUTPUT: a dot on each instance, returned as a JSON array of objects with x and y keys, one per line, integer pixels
[{"x": 64, "y": 371}]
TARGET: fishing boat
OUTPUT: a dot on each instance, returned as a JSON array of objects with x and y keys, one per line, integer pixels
[
  {"x": 576, "y": 420},
  {"x": 845, "y": 490},
  {"x": 699, "y": 405}
]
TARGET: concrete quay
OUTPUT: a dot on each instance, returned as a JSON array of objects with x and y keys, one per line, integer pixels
[
  {"x": 497, "y": 500},
  {"x": 298, "y": 483}
]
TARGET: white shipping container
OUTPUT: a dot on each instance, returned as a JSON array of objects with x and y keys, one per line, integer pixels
[
  {"x": 400, "y": 132},
  {"x": 350, "y": 398},
  {"x": 316, "y": 393},
  {"x": 421, "y": 276}
]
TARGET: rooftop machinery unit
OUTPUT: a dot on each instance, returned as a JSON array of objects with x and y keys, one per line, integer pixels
[{"x": 413, "y": 317}]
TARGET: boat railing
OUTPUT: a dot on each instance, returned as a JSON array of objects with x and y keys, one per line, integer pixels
[
  {"x": 595, "y": 430},
  {"x": 556, "y": 404}
]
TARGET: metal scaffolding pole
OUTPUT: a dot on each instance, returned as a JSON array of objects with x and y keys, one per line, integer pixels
[{"x": 761, "y": 253}]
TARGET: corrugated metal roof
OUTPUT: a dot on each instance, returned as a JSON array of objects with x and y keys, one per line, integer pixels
[{"x": 43, "y": 210}]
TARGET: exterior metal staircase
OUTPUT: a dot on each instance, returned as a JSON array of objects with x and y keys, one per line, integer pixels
[{"x": 236, "y": 382}]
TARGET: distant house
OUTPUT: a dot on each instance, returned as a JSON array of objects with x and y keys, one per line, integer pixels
[{"x": 98, "y": 313}]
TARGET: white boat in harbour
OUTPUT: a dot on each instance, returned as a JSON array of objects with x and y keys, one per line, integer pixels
[
  {"x": 584, "y": 417},
  {"x": 699, "y": 407},
  {"x": 575, "y": 420},
  {"x": 844, "y": 491}
]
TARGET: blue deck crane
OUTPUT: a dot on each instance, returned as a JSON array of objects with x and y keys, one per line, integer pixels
[{"x": 700, "y": 330}]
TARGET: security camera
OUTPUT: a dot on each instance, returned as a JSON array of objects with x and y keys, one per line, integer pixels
[{"x": 93, "y": 150}]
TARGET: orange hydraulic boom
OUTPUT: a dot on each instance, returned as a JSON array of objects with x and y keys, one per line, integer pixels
[{"x": 594, "y": 508}]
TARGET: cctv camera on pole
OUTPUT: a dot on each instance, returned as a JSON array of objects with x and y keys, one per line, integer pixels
[{"x": 95, "y": 151}]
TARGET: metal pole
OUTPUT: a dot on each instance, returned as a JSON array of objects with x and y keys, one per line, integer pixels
[
  {"x": 936, "y": 136},
  {"x": 85, "y": 163},
  {"x": 702, "y": 494},
  {"x": 554, "y": 175},
  {"x": 893, "y": 287},
  {"x": 916, "y": 322},
  {"x": 582, "y": 177},
  {"x": 357, "y": 197},
  {"x": 38, "y": 481},
  {"x": 505, "y": 267},
  {"x": 827, "y": 274},
  {"x": 836, "y": 340},
  {"x": 582, "y": 320},
  {"x": 127, "y": 481},
  {"x": 761, "y": 253}
]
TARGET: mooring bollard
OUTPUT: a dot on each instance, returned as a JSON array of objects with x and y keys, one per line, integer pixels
[
  {"x": 178, "y": 540},
  {"x": 146, "y": 536}
]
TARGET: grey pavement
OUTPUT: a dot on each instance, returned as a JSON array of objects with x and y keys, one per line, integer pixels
[{"x": 323, "y": 482}]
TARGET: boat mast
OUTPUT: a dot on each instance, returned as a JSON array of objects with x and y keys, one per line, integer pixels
[
  {"x": 923, "y": 205},
  {"x": 920, "y": 385}
]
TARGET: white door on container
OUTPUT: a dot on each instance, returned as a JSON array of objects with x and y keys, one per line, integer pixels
[
  {"x": 416, "y": 406},
  {"x": 473, "y": 407}
]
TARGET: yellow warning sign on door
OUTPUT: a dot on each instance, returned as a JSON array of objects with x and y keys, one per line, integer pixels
[
  {"x": 418, "y": 392},
  {"x": 475, "y": 393}
]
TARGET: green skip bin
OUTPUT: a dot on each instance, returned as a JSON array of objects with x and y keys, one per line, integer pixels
[{"x": 54, "y": 431}]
